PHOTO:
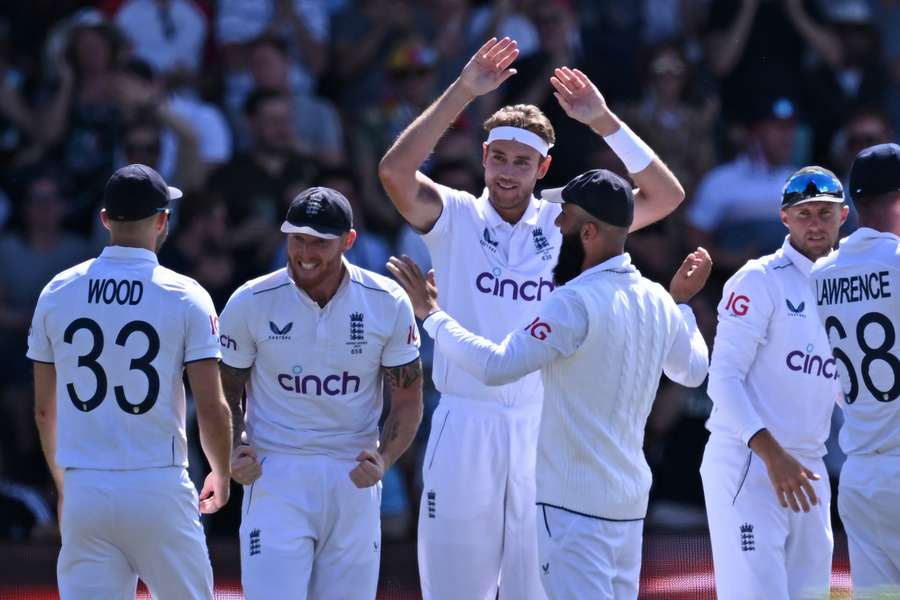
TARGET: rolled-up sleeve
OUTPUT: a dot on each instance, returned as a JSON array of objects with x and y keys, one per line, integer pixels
[
  {"x": 744, "y": 314},
  {"x": 558, "y": 331}
]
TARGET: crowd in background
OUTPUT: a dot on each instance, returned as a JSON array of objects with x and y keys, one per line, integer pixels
[{"x": 244, "y": 103}]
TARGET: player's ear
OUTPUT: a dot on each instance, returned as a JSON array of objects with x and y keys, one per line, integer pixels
[
  {"x": 845, "y": 212},
  {"x": 104, "y": 218},
  {"x": 484, "y": 153},
  {"x": 544, "y": 166},
  {"x": 349, "y": 239}
]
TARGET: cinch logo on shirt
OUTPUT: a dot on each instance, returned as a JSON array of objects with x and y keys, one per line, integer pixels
[
  {"x": 529, "y": 290},
  {"x": 313, "y": 385},
  {"x": 811, "y": 364}
]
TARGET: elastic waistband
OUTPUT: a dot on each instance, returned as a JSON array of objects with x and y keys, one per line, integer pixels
[{"x": 491, "y": 407}]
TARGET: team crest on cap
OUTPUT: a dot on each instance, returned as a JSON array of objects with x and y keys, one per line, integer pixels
[{"x": 313, "y": 206}]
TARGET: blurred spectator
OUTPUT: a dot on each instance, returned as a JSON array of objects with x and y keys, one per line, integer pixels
[
  {"x": 557, "y": 27},
  {"x": 680, "y": 133},
  {"x": 316, "y": 121},
  {"x": 199, "y": 248},
  {"x": 303, "y": 25},
  {"x": 154, "y": 134},
  {"x": 29, "y": 258},
  {"x": 458, "y": 28},
  {"x": 139, "y": 88},
  {"x": 409, "y": 89},
  {"x": 886, "y": 18},
  {"x": 858, "y": 80},
  {"x": 866, "y": 126},
  {"x": 169, "y": 34},
  {"x": 17, "y": 126},
  {"x": 255, "y": 184},
  {"x": 365, "y": 34},
  {"x": 610, "y": 31},
  {"x": 81, "y": 119},
  {"x": 760, "y": 46},
  {"x": 735, "y": 212}
]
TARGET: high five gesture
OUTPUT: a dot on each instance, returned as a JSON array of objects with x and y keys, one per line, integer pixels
[{"x": 489, "y": 67}]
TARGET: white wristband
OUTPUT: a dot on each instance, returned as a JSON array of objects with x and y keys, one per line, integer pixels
[{"x": 632, "y": 150}]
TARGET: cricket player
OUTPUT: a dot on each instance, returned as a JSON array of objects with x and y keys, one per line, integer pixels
[
  {"x": 494, "y": 257},
  {"x": 857, "y": 291},
  {"x": 774, "y": 385},
  {"x": 601, "y": 342},
  {"x": 311, "y": 343},
  {"x": 110, "y": 340}
]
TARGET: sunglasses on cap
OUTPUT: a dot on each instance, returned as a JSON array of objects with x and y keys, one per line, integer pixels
[{"x": 812, "y": 186}]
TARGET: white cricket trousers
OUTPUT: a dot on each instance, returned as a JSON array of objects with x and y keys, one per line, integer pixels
[
  {"x": 477, "y": 519},
  {"x": 869, "y": 505},
  {"x": 308, "y": 532},
  {"x": 762, "y": 551},
  {"x": 121, "y": 525},
  {"x": 586, "y": 557}
]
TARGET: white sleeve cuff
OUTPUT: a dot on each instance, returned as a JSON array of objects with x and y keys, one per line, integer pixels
[{"x": 433, "y": 322}]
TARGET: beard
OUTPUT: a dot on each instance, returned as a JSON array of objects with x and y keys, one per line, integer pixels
[
  {"x": 571, "y": 258},
  {"x": 161, "y": 239}
]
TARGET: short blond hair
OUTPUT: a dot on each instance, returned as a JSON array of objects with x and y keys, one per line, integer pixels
[{"x": 524, "y": 116}]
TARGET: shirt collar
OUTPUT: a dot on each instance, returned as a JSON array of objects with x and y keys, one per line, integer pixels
[
  {"x": 620, "y": 264},
  {"x": 529, "y": 217},
  {"x": 803, "y": 264},
  {"x": 864, "y": 234},
  {"x": 128, "y": 253}
]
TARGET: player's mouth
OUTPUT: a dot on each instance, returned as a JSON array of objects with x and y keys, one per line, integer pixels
[
  {"x": 506, "y": 186},
  {"x": 307, "y": 266}
]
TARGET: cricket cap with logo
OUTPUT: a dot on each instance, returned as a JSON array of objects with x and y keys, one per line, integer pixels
[
  {"x": 601, "y": 193},
  {"x": 136, "y": 192},
  {"x": 319, "y": 211}
]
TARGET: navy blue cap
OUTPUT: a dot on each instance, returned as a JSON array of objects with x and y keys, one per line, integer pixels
[
  {"x": 136, "y": 192},
  {"x": 875, "y": 171},
  {"x": 601, "y": 193},
  {"x": 319, "y": 211}
]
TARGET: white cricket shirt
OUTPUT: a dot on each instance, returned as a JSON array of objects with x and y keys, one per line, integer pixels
[
  {"x": 119, "y": 329},
  {"x": 601, "y": 343},
  {"x": 492, "y": 276},
  {"x": 771, "y": 364},
  {"x": 316, "y": 380},
  {"x": 857, "y": 291}
]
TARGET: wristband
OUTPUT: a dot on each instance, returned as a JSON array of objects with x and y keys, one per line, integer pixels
[{"x": 631, "y": 150}]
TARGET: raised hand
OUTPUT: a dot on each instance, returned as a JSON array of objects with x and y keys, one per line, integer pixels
[
  {"x": 691, "y": 275},
  {"x": 578, "y": 96},
  {"x": 422, "y": 291},
  {"x": 489, "y": 67}
]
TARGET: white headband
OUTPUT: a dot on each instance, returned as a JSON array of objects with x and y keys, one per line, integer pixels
[{"x": 523, "y": 136}]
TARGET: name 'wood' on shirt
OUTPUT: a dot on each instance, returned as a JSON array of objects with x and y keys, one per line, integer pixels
[
  {"x": 115, "y": 291},
  {"x": 842, "y": 290}
]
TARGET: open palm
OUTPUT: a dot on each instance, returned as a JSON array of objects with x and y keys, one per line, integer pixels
[
  {"x": 489, "y": 67},
  {"x": 577, "y": 95}
]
